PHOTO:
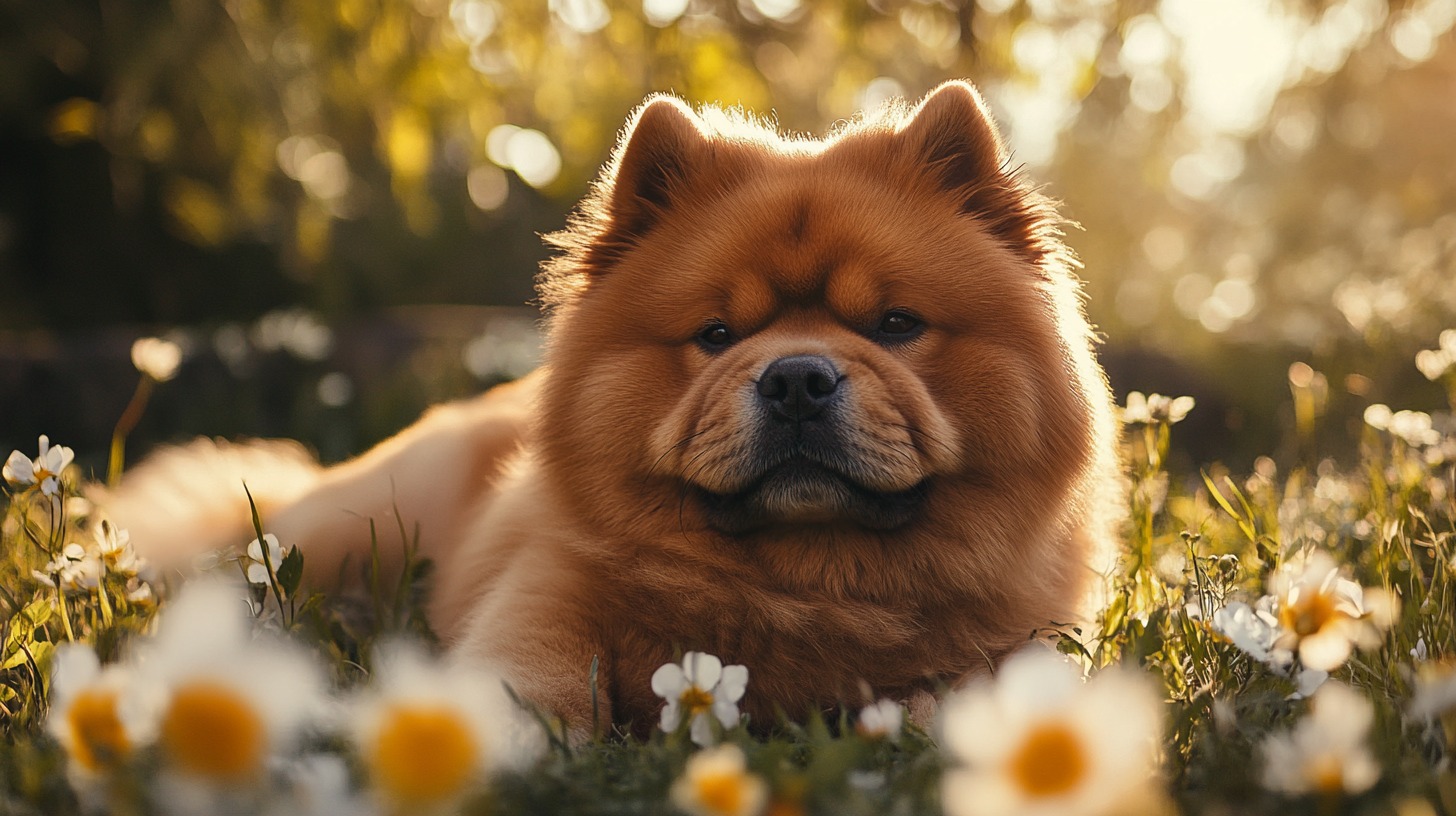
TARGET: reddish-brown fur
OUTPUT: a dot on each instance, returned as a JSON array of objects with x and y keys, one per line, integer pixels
[{"x": 567, "y": 513}]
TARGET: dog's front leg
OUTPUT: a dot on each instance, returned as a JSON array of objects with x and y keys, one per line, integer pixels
[{"x": 544, "y": 642}]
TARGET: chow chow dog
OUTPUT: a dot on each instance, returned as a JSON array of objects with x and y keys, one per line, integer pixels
[{"x": 828, "y": 408}]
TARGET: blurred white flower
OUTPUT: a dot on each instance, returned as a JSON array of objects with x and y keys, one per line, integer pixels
[
  {"x": 1037, "y": 741},
  {"x": 1307, "y": 682},
  {"x": 231, "y": 700},
  {"x": 317, "y": 785},
  {"x": 1415, "y": 428},
  {"x": 139, "y": 592},
  {"x": 1435, "y": 692},
  {"x": 1434, "y": 363},
  {"x": 430, "y": 731},
  {"x": 44, "y": 470},
  {"x": 1256, "y": 631},
  {"x": 881, "y": 720},
  {"x": 1252, "y": 630},
  {"x": 1322, "y": 615},
  {"x": 1326, "y": 753},
  {"x": 100, "y": 716},
  {"x": 258, "y": 570},
  {"x": 1155, "y": 408},
  {"x": 156, "y": 358},
  {"x": 702, "y": 685},
  {"x": 717, "y": 782}
]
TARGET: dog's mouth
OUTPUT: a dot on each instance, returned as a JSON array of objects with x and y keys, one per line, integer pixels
[{"x": 799, "y": 490}]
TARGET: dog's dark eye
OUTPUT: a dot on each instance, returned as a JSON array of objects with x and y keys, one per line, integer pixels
[
  {"x": 715, "y": 336},
  {"x": 898, "y": 325}
]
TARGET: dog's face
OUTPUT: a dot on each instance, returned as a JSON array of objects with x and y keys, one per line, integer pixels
[{"x": 765, "y": 336}]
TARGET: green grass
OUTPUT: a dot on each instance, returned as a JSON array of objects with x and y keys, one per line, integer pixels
[{"x": 1195, "y": 543}]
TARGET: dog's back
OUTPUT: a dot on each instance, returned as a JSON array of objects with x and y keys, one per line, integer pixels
[{"x": 188, "y": 500}]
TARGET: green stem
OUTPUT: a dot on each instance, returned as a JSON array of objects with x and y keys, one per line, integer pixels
[
  {"x": 125, "y": 425},
  {"x": 65, "y": 613}
]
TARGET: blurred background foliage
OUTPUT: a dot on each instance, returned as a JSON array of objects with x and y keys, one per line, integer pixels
[{"x": 335, "y": 206}]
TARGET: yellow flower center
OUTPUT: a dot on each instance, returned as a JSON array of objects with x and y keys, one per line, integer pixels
[
  {"x": 212, "y": 730},
  {"x": 1050, "y": 761},
  {"x": 1326, "y": 775},
  {"x": 721, "y": 792},
  {"x": 98, "y": 740},
  {"x": 423, "y": 754},
  {"x": 1306, "y": 616},
  {"x": 696, "y": 701}
]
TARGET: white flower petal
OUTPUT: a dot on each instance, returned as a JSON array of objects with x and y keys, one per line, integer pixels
[
  {"x": 1308, "y": 682},
  {"x": 19, "y": 469},
  {"x": 733, "y": 683},
  {"x": 726, "y": 711},
  {"x": 1326, "y": 650},
  {"x": 979, "y": 793},
  {"x": 702, "y": 669},
  {"x": 258, "y": 574},
  {"x": 701, "y": 731},
  {"x": 1035, "y": 679},
  {"x": 669, "y": 682},
  {"x": 671, "y": 716},
  {"x": 75, "y": 665}
]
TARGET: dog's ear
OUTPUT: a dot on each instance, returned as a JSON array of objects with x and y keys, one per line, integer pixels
[
  {"x": 951, "y": 133},
  {"x": 952, "y": 137},
  {"x": 654, "y": 159}
]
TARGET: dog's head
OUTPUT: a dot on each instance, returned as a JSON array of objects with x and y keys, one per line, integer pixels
[{"x": 754, "y": 334}]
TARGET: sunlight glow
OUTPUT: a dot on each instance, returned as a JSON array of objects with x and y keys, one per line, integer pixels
[
  {"x": 582, "y": 16},
  {"x": 1237, "y": 55},
  {"x": 487, "y": 186},
  {"x": 779, "y": 10},
  {"x": 533, "y": 157},
  {"x": 474, "y": 20},
  {"x": 663, "y": 12}
]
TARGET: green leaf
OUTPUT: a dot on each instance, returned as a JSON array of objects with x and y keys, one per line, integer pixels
[
  {"x": 290, "y": 571},
  {"x": 21, "y": 630}
]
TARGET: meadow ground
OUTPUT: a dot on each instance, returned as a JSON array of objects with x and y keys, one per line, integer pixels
[{"x": 1282, "y": 641}]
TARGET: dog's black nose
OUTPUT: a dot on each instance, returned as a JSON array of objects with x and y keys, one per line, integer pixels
[{"x": 799, "y": 387}]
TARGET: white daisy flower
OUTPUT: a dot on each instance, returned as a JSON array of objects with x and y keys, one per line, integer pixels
[
  {"x": 881, "y": 720},
  {"x": 1323, "y": 615},
  {"x": 74, "y": 570},
  {"x": 1256, "y": 631},
  {"x": 44, "y": 470},
  {"x": 139, "y": 592},
  {"x": 1037, "y": 741},
  {"x": 99, "y": 715},
  {"x": 113, "y": 545},
  {"x": 258, "y": 573},
  {"x": 716, "y": 782},
  {"x": 429, "y": 732},
  {"x": 1252, "y": 630},
  {"x": 702, "y": 685},
  {"x": 1326, "y": 753},
  {"x": 157, "y": 358},
  {"x": 231, "y": 701}
]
